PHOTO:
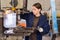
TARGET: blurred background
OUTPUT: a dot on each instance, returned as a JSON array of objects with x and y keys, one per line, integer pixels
[{"x": 24, "y": 6}]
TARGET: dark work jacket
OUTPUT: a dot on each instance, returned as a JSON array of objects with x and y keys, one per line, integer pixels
[{"x": 41, "y": 23}]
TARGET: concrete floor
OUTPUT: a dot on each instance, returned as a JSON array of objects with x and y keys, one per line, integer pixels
[
  {"x": 49, "y": 38},
  {"x": 20, "y": 38}
]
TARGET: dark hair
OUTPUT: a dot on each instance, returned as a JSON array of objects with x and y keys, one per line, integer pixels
[
  {"x": 38, "y": 5},
  {"x": 2, "y": 11}
]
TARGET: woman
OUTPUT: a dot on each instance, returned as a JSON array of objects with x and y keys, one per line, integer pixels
[{"x": 37, "y": 20}]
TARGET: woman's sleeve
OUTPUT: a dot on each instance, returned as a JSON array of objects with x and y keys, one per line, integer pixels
[{"x": 44, "y": 25}]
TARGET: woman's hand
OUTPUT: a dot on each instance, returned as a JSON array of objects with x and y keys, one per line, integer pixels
[{"x": 40, "y": 29}]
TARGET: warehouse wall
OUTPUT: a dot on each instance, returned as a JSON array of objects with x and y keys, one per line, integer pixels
[
  {"x": 45, "y": 4},
  {"x": 6, "y": 3}
]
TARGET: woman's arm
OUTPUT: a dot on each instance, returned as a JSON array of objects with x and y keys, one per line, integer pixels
[{"x": 44, "y": 24}]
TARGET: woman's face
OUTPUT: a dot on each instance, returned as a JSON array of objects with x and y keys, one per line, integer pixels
[{"x": 35, "y": 10}]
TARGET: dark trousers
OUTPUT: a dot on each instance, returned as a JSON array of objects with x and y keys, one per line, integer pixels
[{"x": 34, "y": 36}]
